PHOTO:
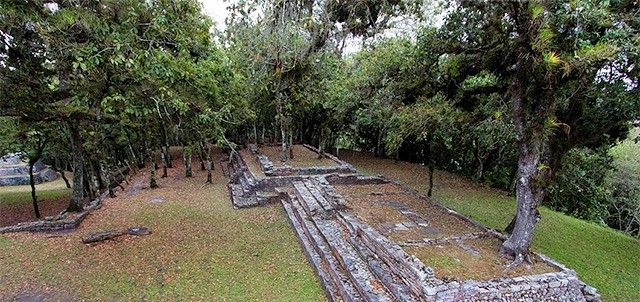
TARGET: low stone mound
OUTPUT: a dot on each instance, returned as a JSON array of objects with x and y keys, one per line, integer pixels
[{"x": 15, "y": 172}]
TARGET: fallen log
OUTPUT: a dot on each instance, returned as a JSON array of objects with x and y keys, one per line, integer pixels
[{"x": 101, "y": 236}]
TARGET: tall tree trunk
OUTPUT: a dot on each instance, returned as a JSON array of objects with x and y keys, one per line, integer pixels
[
  {"x": 290, "y": 144},
  {"x": 283, "y": 134},
  {"x": 138, "y": 162},
  {"x": 186, "y": 156},
  {"x": 152, "y": 172},
  {"x": 530, "y": 143},
  {"x": 89, "y": 182},
  {"x": 77, "y": 194},
  {"x": 32, "y": 183},
  {"x": 168, "y": 154},
  {"x": 105, "y": 175},
  {"x": 255, "y": 133},
  {"x": 164, "y": 163},
  {"x": 209, "y": 164}
]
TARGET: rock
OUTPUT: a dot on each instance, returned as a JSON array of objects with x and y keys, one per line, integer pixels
[
  {"x": 138, "y": 231},
  {"x": 590, "y": 290},
  {"x": 400, "y": 227},
  {"x": 409, "y": 224},
  {"x": 157, "y": 200},
  {"x": 101, "y": 236}
]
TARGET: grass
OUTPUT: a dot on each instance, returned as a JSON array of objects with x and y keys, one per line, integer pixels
[
  {"x": 21, "y": 198},
  {"x": 602, "y": 257},
  {"x": 19, "y": 195},
  {"x": 201, "y": 249}
]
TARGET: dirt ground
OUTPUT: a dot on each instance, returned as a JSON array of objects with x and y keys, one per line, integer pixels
[
  {"x": 302, "y": 157},
  {"x": 13, "y": 214},
  {"x": 200, "y": 249},
  {"x": 16, "y": 205}
]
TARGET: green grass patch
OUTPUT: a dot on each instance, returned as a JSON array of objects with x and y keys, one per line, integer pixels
[
  {"x": 22, "y": 198},
  {"x": 21, "y": 195}
]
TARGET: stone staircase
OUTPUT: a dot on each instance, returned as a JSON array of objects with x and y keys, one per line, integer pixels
[
  {"x": 351, "y": 266},
  {"x": 14, "y": 172}
]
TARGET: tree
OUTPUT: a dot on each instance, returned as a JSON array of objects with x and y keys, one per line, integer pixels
[
  {"x": 552, "y": 55},
  {"x": 114, "y": 72},
  {"x": 280, "y": 50}
]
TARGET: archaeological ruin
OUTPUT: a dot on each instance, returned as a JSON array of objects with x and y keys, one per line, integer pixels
[{"x": 372, "y": 239}]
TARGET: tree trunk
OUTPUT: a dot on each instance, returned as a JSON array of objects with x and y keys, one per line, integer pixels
[
  {"x": 480, "y": 161},
  {"x": 321, "y": 142},
  {"x": 526, "y": 193},
  {"x": 32, "y": 183},
  {"x": 530, "y": 145},
  {"x": 137, "y": 162},
  {"x": 105, "y": 175},
  {"x": 283, "y": 134},
  {"x": 164, "y": 163},
  {"x": 291, "y": 145},
  {"x": 186, "y": 156},
  {"x": 255, "y": 133},
  {"x": 203, "y": 156},
  {"x": 209, "y": 174},
  {"x": 152, "y": 172},
  {"x": 168, "y": 154},
  {"x": 89, "y": 181},
  {"x": 124, "y": 178},
  {"x": 55, "y": 166},
  {"x": 77, "y": 195}
]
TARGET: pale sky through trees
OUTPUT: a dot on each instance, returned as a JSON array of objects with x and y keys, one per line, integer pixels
[{"x": 217, "y": 9}]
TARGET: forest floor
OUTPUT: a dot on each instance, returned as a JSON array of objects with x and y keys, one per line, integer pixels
[
  {"x": 53, "y": 197},
  {"x": 602, "y": 257},
  {"x": 200, "y": 249}
]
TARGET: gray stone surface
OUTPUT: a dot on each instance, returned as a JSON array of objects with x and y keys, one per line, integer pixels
[{"x": 15, "y": 172}]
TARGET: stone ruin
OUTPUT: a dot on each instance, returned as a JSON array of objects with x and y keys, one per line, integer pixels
[
  {"x": 15, "y": 172},
  {"x": 335, "y": 214}
]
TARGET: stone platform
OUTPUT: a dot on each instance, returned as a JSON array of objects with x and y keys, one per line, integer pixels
[
  {"x": 15, "y": 172},
  {"x": 366, "y": 238}
]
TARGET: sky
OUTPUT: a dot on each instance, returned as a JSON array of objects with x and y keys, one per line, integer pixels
[{"x": 217, "y": 10}]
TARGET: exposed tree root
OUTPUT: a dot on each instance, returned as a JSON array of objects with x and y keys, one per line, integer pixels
[{"x": 519, "y": 259}]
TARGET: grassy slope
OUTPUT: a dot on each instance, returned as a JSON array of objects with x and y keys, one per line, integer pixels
[
  {"x": 201, "y": 249},
  {"x": 11, "y": 195},
  {"x": 602, "y": 257}
]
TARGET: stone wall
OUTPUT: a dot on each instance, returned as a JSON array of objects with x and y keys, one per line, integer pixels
[{"x": 270, "y": 169}]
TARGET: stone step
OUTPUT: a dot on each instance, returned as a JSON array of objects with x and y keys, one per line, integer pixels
[
  {"x": 341, "y": 282},
  {"x": 312, "y": 254},
  {"x": 313, "y": 189},
  {"x": 337, "y": 237},
  {"x": 307, "y": 200},
  {"x": 386, "y": 260}
]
